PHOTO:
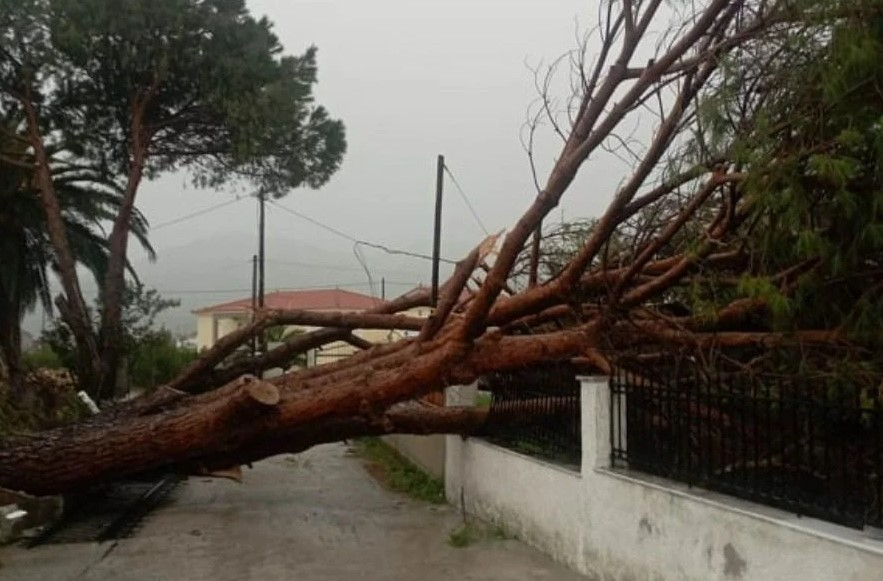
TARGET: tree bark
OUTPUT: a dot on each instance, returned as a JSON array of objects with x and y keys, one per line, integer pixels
[
  {"x": 10, "y": 349},
  {"x": 115, "y": 278},
  {"x": 72, "y": 308},
  {"x": 244, "y": 417}
]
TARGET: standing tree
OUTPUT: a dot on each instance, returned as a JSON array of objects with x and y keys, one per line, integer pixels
[
  {"x": 721, "y": 163},
  {"x": 26, "y": 253},
  {"x": 142, "y": 343},
  {"x": 133, "y": 89}
]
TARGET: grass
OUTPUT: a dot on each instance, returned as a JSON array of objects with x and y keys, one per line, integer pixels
[
  {"x": 483, "y": 399},
  {"x": 398, "y": 473},
  {"x": 473, "y": 531}
]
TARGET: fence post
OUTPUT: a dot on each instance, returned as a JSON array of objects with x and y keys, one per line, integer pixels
[
  {"x": 461, "y": 395},
  {"x": 596, "y": 421}
]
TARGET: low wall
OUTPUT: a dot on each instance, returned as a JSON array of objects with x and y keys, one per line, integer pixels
[
  {"x": 427, "y": 452},
  {"x": 615, "y": 525}
]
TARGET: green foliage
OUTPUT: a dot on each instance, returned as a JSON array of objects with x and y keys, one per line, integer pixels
[
  {"x": 152, "y": 355},
  {"x": 116, "y": 90},
  {"x": 462, "y": 537},
  {"x": 473, "y": 531},
  {"x": 26, "y": 253},
  {"x": 400, "y": 474},
  {"x": 780, "y": 306},
  {"x": 43, "y": 357},
  {"x": 157, "y": 358},
  {"x": 801, "y": 113},
  {"x": 202, "y": 83}
]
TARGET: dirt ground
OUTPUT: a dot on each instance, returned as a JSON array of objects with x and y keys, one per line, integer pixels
[{"x": 316, "y": 516}]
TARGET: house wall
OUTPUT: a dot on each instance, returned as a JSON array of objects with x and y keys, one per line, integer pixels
[
  {"x": 227, "y": 325},
  {"x": 615, "y": 525},
  {"x": 204, "y": 326},
  {"x": 211, "y": 327}
]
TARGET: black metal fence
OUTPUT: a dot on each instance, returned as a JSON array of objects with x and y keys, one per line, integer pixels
[
  {"x": 811, "y": 446},
  {"x": 546, "y": 406}
]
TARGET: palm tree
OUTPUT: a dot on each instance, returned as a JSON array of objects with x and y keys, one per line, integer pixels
[{"x": 26, "y": 255}]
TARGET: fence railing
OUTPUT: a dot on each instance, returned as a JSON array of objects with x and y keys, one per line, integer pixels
[
  {"x": 547, "y": 402},
  {"x": 811, "y": 446}
]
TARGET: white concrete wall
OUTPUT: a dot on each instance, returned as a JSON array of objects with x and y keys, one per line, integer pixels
[
  {"x": 621, "y": 526},
  {"x": 427, "y": 452},
  {"x": 535, "y": 501}
]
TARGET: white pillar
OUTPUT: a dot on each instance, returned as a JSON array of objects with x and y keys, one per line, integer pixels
[
  {"x": 461, "y": 395},
  {"x": 595, "y": 410},
  {"x": 456, "y": 395}
]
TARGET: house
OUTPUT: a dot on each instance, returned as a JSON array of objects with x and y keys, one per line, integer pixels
[{"x": 215, "y": 321}]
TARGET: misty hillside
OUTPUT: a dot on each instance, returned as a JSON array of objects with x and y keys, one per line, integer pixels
[{"x": 219, "y": 269}]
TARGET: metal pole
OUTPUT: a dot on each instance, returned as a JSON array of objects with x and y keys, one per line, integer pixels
[{"x": 436, "y": 240}]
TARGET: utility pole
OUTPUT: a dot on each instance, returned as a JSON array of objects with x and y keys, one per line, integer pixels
[
  {"x": 383, "y": 288},
  {"x": 261, "y": 260},
  {"x": 261, "y": 249},
  {"x": 436, "y": 240},
  {"x": 254, "y": 299}
]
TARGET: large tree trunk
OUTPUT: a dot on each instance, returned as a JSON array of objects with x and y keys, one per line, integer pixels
[
  {"x": 73, "y": 306},
  {"x": 110, "y": 335},
  {"x": 213, "y": 416},
  {"x": 249, "y": 418},
  {"x": 10, "y": 349}
]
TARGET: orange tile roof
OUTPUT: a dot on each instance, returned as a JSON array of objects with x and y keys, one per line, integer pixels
[{"x": 307, "y": 300}]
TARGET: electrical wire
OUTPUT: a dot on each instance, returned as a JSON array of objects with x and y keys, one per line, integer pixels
[
  {"x": 92, "y": 292},
  {"x": 329, "y": 266},
  {"x": 313, "y": 221},
  {"x": 364, "y": 262},
  {"x": 197, "y": 213},
  {"x": 466, "y": 200},
  {"x": 356, "y": 241}
]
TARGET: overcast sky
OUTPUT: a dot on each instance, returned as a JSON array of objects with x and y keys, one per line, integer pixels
[{"x": 410, "y": 79}]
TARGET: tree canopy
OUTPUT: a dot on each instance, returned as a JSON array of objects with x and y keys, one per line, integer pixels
[
  {"x": 198, "y": 84},
  {"x": 118, "y": 91}
]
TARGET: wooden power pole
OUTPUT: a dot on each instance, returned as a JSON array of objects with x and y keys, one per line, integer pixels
[
  {"x": 436, "y": 235},
  {"x": 262, "y": 235}
]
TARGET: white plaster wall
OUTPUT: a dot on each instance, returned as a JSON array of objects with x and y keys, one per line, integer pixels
[
  {"x": 628, "y": 527},
  {"x": 204, "y": 326},
  {"x": 427, "y": 452},
  {"x": 227, "y": 325},
  {"x": 538, "y": 503},
  {"x": 641, "y": 530}
]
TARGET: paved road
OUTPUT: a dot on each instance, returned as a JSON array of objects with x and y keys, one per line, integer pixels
[{"x": 317, "y": 516}]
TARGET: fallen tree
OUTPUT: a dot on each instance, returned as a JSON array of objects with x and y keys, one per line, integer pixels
[{"x": 681, "y": 227}]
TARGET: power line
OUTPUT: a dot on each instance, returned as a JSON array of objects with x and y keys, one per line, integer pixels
[
  {"x": 315, "y": 222},
  {"x": 331, "y": 266},
  {"x": 284, "y": 289},
  {"x": 195, "y": 214},
  {"x": 389, "y": 250},
  {"x": 353, "y": 239},
  {"x": 466, "y": 200},
  {"x": 357, "y": 252}
]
